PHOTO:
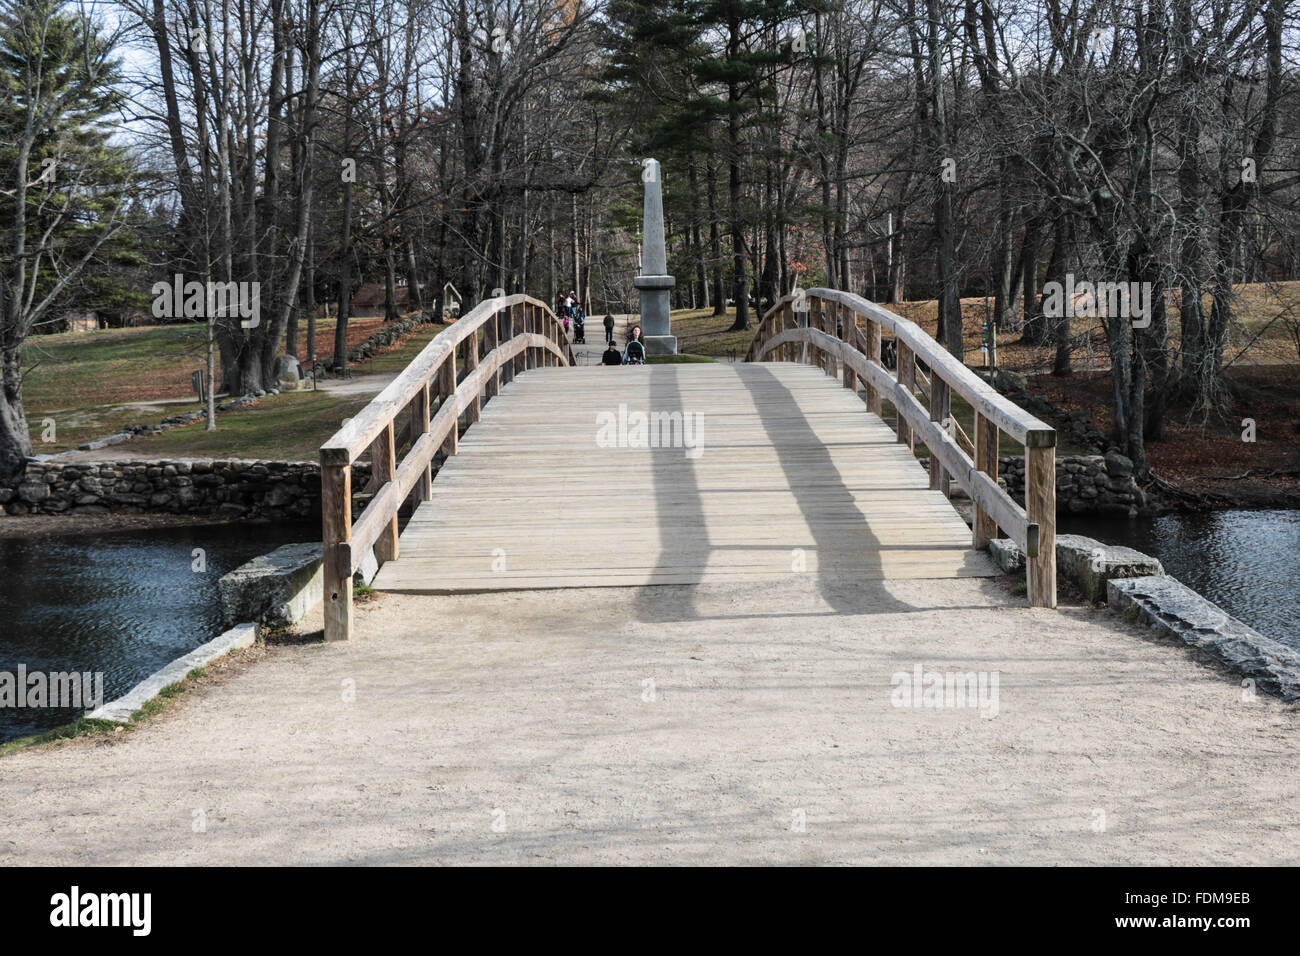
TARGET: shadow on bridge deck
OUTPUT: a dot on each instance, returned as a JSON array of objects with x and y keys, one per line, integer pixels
[{"x": 762, "y": 472}]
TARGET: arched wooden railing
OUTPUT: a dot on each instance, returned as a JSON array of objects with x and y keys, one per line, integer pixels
[
  {"x": 821, "y": 326},
  {"x": 464, "y": 366}
]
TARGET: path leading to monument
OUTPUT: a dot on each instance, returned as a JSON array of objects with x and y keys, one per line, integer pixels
[{"x": 713, "y": 725}]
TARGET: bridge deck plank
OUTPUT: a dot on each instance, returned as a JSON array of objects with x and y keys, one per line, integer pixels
[{"x": 790, "y": 472}]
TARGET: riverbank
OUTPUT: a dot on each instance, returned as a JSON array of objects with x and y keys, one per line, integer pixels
[
  {"x": 53, "y": 526},
  {"x": 119, "y": 603}
]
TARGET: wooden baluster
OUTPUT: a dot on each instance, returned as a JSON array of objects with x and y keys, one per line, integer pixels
[
  {"x": 874, "y": 402},
  {"x": 986, "y": 460},
  {"x": 830, "y": 320},
  {"x": 447, "y": 389},
  {"x": 906, "y": 378},
  {"x": 1040, "y": 508},
  {"x": 474, "y": 408},
  {"x": 492, "y": 338},
  {"x": 383, "y": 466},
  {"x": 784, "y": 353},
  {"x": 850, "y": 335},
  {"x": 940, "y": 412},
  {"x": 420, "y": 426},
  {"x": 814, "y": 321},
  {"x": 526, "y": 357},
  {"x": 516, "y": 326},
  {"x": 336, "y": 530}
]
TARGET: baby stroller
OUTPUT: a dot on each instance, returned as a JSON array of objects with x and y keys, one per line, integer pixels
[{"x": 579, "y": 328}]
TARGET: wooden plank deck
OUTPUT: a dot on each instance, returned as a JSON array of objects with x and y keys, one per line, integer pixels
[{"x": 790, "y": 474}]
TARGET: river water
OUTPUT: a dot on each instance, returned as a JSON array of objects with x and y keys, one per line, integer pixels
[
  {"x": 120, "y": 603},
  {"x": 1247, "y": 562}
]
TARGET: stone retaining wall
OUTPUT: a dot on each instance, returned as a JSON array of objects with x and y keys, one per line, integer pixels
[
  {"x": 1085, "y": 484},
  {"x": 209, "y": 488}
]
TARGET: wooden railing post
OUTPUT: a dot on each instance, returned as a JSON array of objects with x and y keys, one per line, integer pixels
[
  {"x": 336, "y": 530},
  {"x": 874, "y": 402},
  {"x": 1040, "y": 509},
  {"x": 907, "y": 379},
  {"x": 383, "y": 466},
  {"x": 447, "y": 389},
  {"x": 939, "y": 412},
  {"x": 986, "y": 460}
]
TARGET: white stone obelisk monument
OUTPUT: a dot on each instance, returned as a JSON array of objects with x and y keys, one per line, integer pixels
[{"x": 654, "y": 282}]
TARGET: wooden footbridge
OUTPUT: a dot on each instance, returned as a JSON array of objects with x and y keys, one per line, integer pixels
[{"x": 551, "y": 475}]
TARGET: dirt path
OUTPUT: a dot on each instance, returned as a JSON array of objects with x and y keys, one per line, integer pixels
[{"x": 523, "y": 727}]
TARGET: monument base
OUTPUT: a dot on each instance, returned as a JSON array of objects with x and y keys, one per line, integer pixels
[{"x": 660, "y": 345}]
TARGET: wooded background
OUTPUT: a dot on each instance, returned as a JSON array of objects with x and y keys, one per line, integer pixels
[{"x": 901, "y": 149}]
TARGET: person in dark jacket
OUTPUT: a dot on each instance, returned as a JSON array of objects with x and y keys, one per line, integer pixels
[
  {"x": 611, "y": 356},
  {"x": 609, "y": 329}
]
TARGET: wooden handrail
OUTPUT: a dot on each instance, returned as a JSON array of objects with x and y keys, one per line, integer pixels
[
  {"x": 1033, "y": 527},
  {"x": 533, "y": 337}
]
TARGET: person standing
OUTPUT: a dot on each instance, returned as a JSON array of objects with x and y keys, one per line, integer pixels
[
  {"x": 609, "y": 329},
  {"x": 611, "y": 355}
]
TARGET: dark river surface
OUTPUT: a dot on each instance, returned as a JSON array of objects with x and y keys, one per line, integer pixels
[
  {"x": 122, "y": 603},
  {"x": 1247, "y": 562}
]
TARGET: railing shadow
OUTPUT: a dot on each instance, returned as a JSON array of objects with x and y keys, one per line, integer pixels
[{"x": 811, "y": 476}]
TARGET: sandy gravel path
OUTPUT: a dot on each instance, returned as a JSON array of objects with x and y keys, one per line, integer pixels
[{"x": 523, "y": 728}]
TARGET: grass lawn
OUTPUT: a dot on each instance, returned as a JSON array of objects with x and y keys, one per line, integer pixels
[
  {"x": 679, "y": 359},
  {"x": 700, "y": 332},
  {"x": 72, "y": 426},
  {"x": 85, "y": 383},
  {"x": 75, "y": 370},
  {"x": 290, "y": 426}
]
